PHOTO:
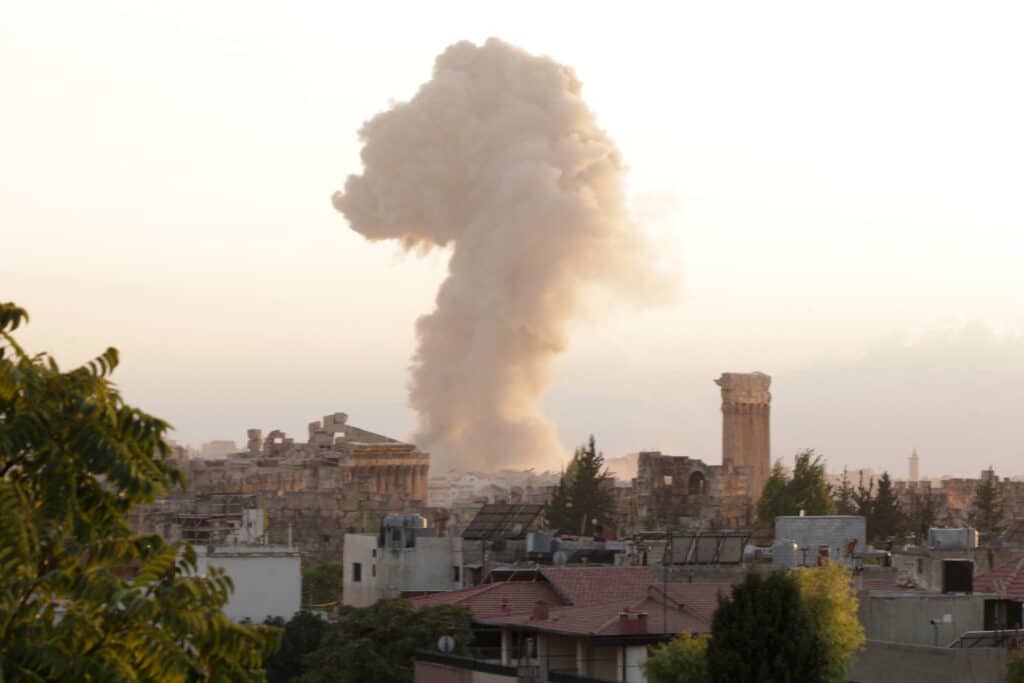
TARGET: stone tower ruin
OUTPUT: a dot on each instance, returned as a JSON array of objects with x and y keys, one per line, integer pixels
[{"x": 746, "y": 416}]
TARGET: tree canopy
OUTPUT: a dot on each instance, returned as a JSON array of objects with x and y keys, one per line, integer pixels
[
  {"x": 843, "y": 496},
  {"x": 377, "y": 643},
  {"x": 764, "y": 632},
  {"x": 301, "y": 635},
  {"x": 881, "y": 509},
  {"x": 582, "y": 494},
  {"x": 923, "y": 513},
  {"x": 681, "y": 660},
  {"x": 806, "y": 490},
  {"x": 986, "y": 511},
  {"x": 800, "y": 626},
  {"x": 82, "y": 598},
  {"x": 830, "y": 605}
]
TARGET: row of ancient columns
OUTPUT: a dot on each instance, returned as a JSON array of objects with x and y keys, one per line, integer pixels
[{"x": 410, "y": 479}]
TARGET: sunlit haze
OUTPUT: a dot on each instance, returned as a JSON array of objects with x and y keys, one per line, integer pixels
[{"x": 834, "y": 190}]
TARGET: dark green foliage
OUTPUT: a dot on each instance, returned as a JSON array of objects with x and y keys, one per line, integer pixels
[
  {"x": 887, "y": 520},
  {"x": 864, "y": 497},
  {"x": 321, "y": 585},
  {"x": 843, "y": 497},
  {"x": 986, "y": 511},
  {"x": 301, "y": 635},
  {"x": 582, "y": 495},
  {"x": 74, "y": 458},
  {"x": 806, "y": 490},
  {"x": 762, "y": 634},
  {"x": 924, "y": 512},
  {"x": 377, "y": 643}
]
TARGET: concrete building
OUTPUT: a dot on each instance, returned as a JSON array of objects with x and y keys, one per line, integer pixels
[
  {"x": 401, "y": 560},
  {"x": 813, "y": 537},
  {"x": 268, "y": 579}
]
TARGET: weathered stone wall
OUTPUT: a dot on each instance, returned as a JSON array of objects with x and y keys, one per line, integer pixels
[
  {"x": 677, "y": 491},
  {"x": 340, "y": 481},
  {"x": 746, "y": 423}
]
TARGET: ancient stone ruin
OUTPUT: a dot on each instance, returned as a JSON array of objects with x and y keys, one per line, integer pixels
[
  {"x": 681, "y": 492},
  {"x": 342, "y": 479},
  {"x": 746, "y": 417}
]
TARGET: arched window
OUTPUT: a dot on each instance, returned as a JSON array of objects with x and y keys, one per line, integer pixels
[{"x": 697, "y": 484}]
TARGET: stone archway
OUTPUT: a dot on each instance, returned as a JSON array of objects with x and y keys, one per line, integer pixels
[{"x": 697, "y": 484}]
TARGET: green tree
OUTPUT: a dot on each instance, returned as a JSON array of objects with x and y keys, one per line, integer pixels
[
  {"x": 763, "y": 632},
  {"x": 82, "y": 598},
  {"x": 843, "y": 497},
  {"x": 924, "y": 512},
  {"x": 986, "y": 511},
  {"x": 321, "y": 585},
  {"x": 377, "y": 643},
  {"x": 830, "y": 604},
  {"x": 301, "y": 635},
  {"x": 776, "y": 497},
  {"x": 806, "y": 490},
  {"x": 582, "y": 495},
  {"x": 864, "y": 497},
  {"x": 681, "y": 660},
  {"x": 886, "y": 519}
]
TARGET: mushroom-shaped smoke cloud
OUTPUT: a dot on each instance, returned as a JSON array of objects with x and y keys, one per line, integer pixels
[{"x": 499, "y": 157}]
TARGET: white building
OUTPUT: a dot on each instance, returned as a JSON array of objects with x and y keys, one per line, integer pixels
[
  {"x": 387, "y": 566},
  {"x": 267, "y": 578}
]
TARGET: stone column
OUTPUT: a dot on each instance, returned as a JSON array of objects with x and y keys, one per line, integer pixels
[
  {"x": 746, "y": 421},
  {"x": 422, "y": 482},
  {"x": 408, "y": 481}
]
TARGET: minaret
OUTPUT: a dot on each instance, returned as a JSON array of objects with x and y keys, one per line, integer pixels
[
  {"x": 913, "y": 467},
  {"x": 746, "y": 413}
]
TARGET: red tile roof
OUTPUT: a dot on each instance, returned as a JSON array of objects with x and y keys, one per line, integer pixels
[
  {"x": 1006, "y": 579},
  {"x": 590, "y": 601},
  {"x": 607, "y": 619},
  {"x": 583, "y": 586},
  {"x": 493, "y": 599},
  {"x": 701, "y": 599}
]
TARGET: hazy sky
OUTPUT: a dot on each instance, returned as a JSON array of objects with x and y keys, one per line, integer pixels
[{"x": 837, "y": 189}]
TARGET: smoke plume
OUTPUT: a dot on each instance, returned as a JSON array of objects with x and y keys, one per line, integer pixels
[{"x": 498, "y": 157}]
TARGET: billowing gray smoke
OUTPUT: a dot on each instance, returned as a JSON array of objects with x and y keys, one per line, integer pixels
[{"x": 499, "y": 157}]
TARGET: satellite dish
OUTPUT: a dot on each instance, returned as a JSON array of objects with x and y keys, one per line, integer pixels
[
  {"x": 560, "y": 558},
  {"x": 446, "y": 644}
]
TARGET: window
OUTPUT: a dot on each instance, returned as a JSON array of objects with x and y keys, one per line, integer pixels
[
  {"x": 357, "y": 572},
  {"x": 373, "y": 570},
  {"x": 920, "y": 565},
  {"x": 373, "y": 553},
  {"x": 455, "y": 573}
]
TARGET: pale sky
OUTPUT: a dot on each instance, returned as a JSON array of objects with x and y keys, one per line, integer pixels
[{"x": 837, "y": 187}]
